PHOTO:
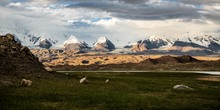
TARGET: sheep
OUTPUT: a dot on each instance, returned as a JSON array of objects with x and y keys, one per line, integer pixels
[
  {"x": 182, "y": 87},
  {"x": 25, "y": 82},
  {"x": 107, "y": 81},
  {"x": 83, "y": 80}
]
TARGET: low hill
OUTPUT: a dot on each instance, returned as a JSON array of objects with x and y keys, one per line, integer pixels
[
  {"x": 17, "y": 60},
  {"x": 164, "y": 63}
]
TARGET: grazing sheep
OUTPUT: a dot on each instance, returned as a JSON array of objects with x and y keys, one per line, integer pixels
[
  {"x": 182, "y": 87},
  {"x": 83, "y": 80},
  {"x": 107, "y": 81},
  {"x": 25, "y": 82}
]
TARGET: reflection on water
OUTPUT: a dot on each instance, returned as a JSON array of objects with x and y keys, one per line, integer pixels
[
  {"x": 209, "y": 78},
  {"x": 209, "y": 72}
]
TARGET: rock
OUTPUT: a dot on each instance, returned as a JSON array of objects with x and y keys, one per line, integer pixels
[
  {"x": 10, "y": 37},
  {"x": 83, "y": 80},
  {"x": 107, "y": 81},
  {"x": 182, "y": 87},
  {"x": 24, "y": 48},
  {"x": 85, "y": 62},
  {"x": 25, "y": 82},
  {"x": 48, "y": 69}
]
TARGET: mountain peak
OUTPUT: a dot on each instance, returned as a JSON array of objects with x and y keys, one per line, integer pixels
[
  {"x": 72, "y": 39},
  {"x": 103, "y": 44},
  {"x": 73, "y": 43},
  {"x": 101, "y": 40},
  {"x": 154, "y": 38}
]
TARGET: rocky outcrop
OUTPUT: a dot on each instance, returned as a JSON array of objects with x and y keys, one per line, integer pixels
[
  {"x": 103, "y": 44},
  {"x": 17, "y": 60}
]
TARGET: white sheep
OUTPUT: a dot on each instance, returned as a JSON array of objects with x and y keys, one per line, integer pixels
[
  {"x": 25, "y": 82},
  {"x": 83, "y": 80},
  {"x": 182, "y": 87},
  {"x": 107, "y": 81}
]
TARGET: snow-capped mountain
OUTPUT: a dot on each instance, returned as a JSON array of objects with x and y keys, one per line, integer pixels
[
  {"x": 72, "y": 43},
  {"x": 180, "y": 47},
  {"x": 33, "y": 39},
  {"x": 159, "y": 42},
  {"x": 153, "y": 42},
  {"x": 212, "y": 43},
  {"x": 203, "y": 40},
  {"x": 103, "y": 44},
  {"x": 205, "y": 43}
]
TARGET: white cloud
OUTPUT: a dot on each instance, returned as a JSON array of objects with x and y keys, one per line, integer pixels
[
  {"x": 107, "y": 23},
  {"x": 17, "y": 4},
  {"x": 45, "y": 16}
]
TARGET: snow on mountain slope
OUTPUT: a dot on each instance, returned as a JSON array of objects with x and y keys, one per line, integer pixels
[
  {"x": 161, "y": 43},
  {"x": 103, "y": 44},
  {"x": 203, "y": 40},
  {"x": 153, "y": 42},
  {"x": 34, "y": 39},
  {"x": 72, "y": 43},
  {"x": 212, "y": 43},
  {"x": 72, "y": 39},
  {"x": 100, "y": 41}
]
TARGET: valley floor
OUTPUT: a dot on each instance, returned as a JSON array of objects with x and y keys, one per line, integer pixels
[
  {"x": 55, "y": 57},
  {"x": 125, "y": 91}
]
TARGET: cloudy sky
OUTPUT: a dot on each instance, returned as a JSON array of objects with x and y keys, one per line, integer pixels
[{"x": 119, "y": 20}]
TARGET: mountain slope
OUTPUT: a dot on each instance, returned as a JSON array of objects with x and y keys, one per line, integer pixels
[
  {"x": 32, "y": 39},
  {"x": 153, "y": 42},
  {"x": 194, "y": 45},
  {"x": 75, "y": 44},
  {"x": 103, "y": 44},
  {"x": 212, "y": 43},
  {"x": 180, "y": 47},
  {"x": 17, "y": 60}
]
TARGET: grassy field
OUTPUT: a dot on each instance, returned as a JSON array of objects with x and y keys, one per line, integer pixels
[{"x": 125, "y": 91}]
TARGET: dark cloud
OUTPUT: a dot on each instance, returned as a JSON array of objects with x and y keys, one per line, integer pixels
[
  {"x": 132, "y": 1},
  {"x": 166, "y": 10},
  {"x": 142, "y": 9},
  {"x": 199, "y": 2},
  {"x": 214, "y": 16}
]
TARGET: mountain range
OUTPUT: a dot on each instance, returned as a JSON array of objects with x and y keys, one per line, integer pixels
[
  {"x": 201, "y": 45},
  {"x": 205, "y": 44}
]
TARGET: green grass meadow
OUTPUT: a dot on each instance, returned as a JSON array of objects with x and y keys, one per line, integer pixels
[{"x": 125, "y": 91}]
